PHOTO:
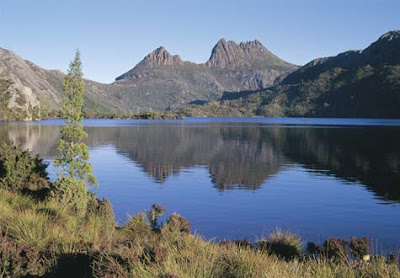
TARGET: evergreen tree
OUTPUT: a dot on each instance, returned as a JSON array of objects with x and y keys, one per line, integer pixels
[{"x": 76, "y": 171}]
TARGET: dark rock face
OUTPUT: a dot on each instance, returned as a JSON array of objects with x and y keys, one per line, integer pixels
[{"x": 386, "y": 50}]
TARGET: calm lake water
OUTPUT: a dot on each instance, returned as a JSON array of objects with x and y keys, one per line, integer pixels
[{"x": 241, "y": 178}]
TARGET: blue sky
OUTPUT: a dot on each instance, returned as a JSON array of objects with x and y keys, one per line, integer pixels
[{"x": 114, "y": 35}]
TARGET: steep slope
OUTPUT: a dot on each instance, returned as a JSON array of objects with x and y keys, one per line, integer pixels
[
  {"x": 362, "y": 83},
  {"x": 25, "y": 87},
  {"x": 28, "y": 92}
]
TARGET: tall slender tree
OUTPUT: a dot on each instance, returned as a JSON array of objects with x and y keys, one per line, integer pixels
[
  {"x": 76, "y": 171},
  {"x": 74, "y": 154}
]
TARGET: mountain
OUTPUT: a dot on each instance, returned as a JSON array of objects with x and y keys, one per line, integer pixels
[
  {"x": 251, "y": 55},
  {"x": 21, "y": 84},
  {"x": 29, "y": 92},
  {"x": 242, "y": 79},
  {"x": 165, "y": 81},
  {"x": 159, "y": 82},
  {"x": 363, "y": 83}
]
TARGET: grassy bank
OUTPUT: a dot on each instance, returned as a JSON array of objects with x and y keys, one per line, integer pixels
[{"x": 44, "y": 238}]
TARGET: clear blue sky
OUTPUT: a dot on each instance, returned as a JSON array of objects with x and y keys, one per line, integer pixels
[{"x": 114, "y": 35}]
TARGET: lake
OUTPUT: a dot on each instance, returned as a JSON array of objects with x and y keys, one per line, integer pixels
[{"x": 236, "y": 178}]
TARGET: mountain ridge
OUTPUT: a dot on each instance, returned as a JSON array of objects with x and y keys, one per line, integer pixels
[
  {"x": 159, "y": 82},
  {"x": 356, "y": 83},
  {"x": 240, "y": 79},
  {"x": 250, "y": 55}
]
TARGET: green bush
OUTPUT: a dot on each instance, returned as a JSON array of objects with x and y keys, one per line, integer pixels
[
  {"x": 71, "y": 194},
  {"x": 20, "y": 172},
  {"x": 176, "y": 225}
]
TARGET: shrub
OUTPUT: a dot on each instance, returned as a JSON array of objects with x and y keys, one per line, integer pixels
[
  {"x": 154, "y": 254},
  {"x": 101, "y": 208},
  {"x": 20, "y": 172},
  {"x": 20, "y": 261},
  {"x": 176, "y": 225},
  {"x": 341, "y": 250},
  {"x": 71, "y": 194},
  {"x": 335, "y": 249},
  {"x": 313, "y": 249},
  {"x": 284, "y": 245},
  {"x": 138, "y": 226},
  {"x": 359, "y": 247}
]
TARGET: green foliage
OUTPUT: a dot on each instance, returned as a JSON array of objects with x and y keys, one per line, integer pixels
[
  {"x": 74, "y": 152},
  {"x": 20, "y": 172},
  {"x": 70, "y": 188},
  {"x": 176, "y": 225},
  {"x": 71, "y": 194}
]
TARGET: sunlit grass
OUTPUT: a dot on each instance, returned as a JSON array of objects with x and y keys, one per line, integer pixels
[{"x": 55, "y": 240}]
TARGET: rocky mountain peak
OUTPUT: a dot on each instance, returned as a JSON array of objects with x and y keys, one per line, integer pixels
[
  {"x": 161, "y": 57},
  {"x": 251, "y": 54}
]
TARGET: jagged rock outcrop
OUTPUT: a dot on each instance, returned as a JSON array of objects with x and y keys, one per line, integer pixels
[
  {"x": 160, "y": 57},
  {"x": 251, "y": 55},
  {"x": 157, "y": 58}
]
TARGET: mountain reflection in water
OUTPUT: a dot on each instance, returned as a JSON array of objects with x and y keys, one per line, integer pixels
[{"x": 241, "y": 156}]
